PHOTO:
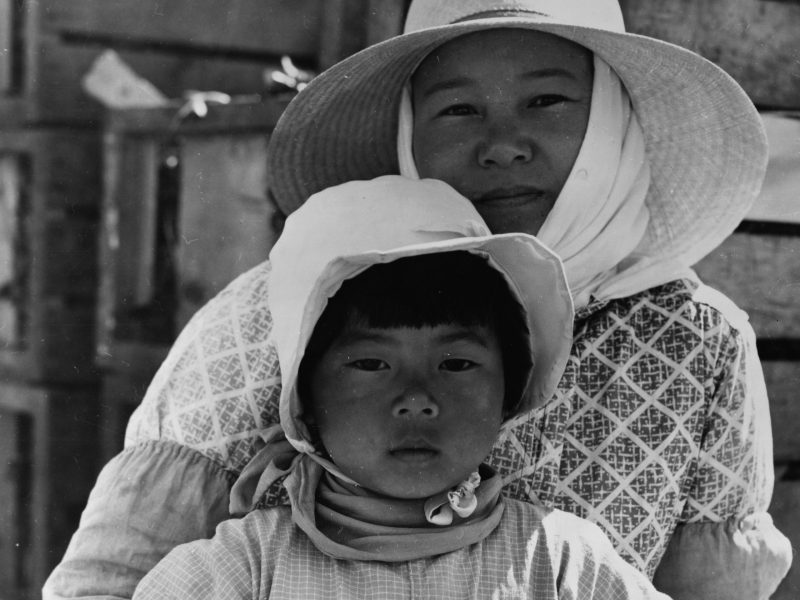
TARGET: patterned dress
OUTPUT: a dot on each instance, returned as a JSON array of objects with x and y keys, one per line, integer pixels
[{"x": 661, "y": 418}]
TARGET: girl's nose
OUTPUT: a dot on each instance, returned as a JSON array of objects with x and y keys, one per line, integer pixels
[
  {"x": 504, "y": 146},
  {"x": 415, "y": 403}
]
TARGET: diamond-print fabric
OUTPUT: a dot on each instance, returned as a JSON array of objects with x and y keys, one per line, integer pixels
[{"x": 661, "y": 416}]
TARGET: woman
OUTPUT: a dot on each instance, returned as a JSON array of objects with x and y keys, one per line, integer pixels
[{"x": 632, "y": 159}]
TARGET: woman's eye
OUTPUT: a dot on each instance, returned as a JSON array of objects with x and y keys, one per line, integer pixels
[
  {"x": 458, "y": 110},
  {"x": 457, "y": 364},
  {"x": 548, "y": 100},
  {"x": 368, "y": 364}
]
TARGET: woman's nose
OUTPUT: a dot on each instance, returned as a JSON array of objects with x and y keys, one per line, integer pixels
[
  {"x": 415, "y": 403},
  {"x": 505, "y": 145}
]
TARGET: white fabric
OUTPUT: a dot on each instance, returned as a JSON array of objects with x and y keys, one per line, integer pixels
[
  {"x": 389, "y": 218},
  {"x": 600, "y": 216}
]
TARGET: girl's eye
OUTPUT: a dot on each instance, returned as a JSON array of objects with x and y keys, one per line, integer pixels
[
  {"x": 548, "y": 100},
  {"x": 368, "y": 364},
  {"x": 457, "y": 364},
  {"x": 458, "y": 110}
]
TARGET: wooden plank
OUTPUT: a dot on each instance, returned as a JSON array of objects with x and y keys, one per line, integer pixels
[
  {"x": 783, "y": 381},
  {"x": 223, "y": 223},
  {"x": 136, "y": 208},
  {"x": 779, "y": 200},
  {"x": 65, "y": 165},
  {"x": 57, "y": 346},
  {"x": 344, "y": 30},
  {"x": 385, "y": 19},
  {"x": 756, "y": 41},
  {"x": 10, "y": 190},
  {"x": 13, "y": 489},
  {"x": 761, "y": 273},
  {"x": 63, "y": 466},
  {"x": 27, "y": 407},
  {"x": 7, "y": 50},
  {"x": 53, "y": 91},
  {"x": 243, "y": 114},
  {"x": 51, "y": 190},
  {"x": 264, "y": 26},
  {"x": 225, "y": 217}
]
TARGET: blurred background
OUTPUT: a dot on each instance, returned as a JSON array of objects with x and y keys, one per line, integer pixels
[{"x": 133, "y": 187}]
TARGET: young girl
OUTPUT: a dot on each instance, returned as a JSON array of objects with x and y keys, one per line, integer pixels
[
  {"x": 406, "y": 339},
  {"x": 631, "y": 158}
]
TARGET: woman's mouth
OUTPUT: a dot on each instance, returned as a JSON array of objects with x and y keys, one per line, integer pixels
[{"x": 512, "y": 196}]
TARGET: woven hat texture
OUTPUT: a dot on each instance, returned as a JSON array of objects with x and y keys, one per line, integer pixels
[{"x": 703, "y": 137}]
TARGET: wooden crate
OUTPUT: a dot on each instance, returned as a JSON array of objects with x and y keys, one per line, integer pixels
[
  {"x": 52, "y": 92},
  {"x": 50, "y": 187},
  {"x": 49, "y": 441},
  {"x": 258, "y": 26},
  {"x": 185, "y": 211},
  {"x": 759, "y": 268},
  {"x": 756, "y": 41},
  {"x": 783, "y": 381},
  {"x": 52, "y": 45},
  {"x": 386, "y": 18}
]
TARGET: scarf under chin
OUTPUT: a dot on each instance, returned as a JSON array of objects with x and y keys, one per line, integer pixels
[
  {"x": 346, "y": 521},
  {"x": 351, "y": 523}
]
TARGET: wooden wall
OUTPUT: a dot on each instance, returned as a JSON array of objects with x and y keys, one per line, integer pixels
[
  {"x": 756, "y": 41},
  {"x": 63, "y": 401}
]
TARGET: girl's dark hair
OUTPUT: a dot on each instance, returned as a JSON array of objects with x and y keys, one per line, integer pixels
[{"x": 428, "y": 290}]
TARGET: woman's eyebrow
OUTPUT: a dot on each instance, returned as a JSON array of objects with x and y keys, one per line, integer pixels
[{"x": 444, "y": 85}]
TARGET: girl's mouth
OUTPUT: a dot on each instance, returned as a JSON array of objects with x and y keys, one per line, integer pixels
[{"x": 414, "y": 455}]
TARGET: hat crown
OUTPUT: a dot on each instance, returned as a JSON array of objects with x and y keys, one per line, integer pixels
[{"x": 597, "y": 14}]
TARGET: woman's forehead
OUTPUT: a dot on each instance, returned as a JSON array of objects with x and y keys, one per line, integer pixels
[
  {"x": 501, "y": 49},
  {"x": 506, "y": 42}
]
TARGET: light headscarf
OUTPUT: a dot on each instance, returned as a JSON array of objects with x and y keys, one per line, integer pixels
[{"x": 600, "y": 216}]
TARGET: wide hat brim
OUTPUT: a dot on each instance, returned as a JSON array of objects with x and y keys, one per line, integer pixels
[{"x": 704, "y": 139}]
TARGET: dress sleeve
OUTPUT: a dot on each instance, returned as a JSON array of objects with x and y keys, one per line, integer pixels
[
  {"x": 734, "y": 475},
  {"x": 227, "y": 567},
  {"x": 220, "y": 383},
  {"x": 146, "y": 500},
  {"x": 588, "y": 566},
  {"x": 726, "y": 545},
  {"x": 737, "y": 559}
]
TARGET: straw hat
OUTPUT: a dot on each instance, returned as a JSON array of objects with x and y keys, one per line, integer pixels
[
  {"x": 363, "y": 223},
  {"x": 704, "y": 139}
]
